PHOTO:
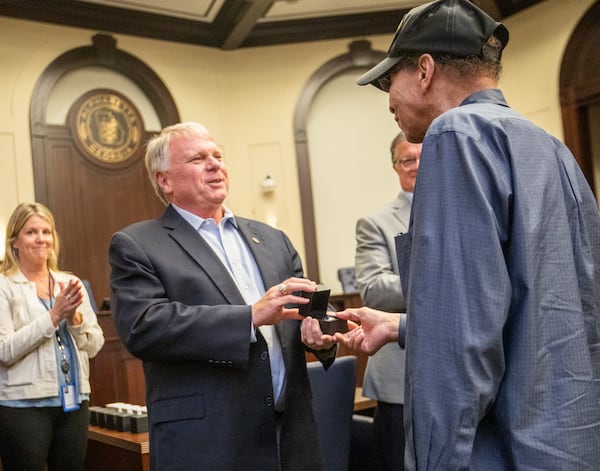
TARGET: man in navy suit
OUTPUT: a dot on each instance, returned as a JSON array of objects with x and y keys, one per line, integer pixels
[{"x": 200, "y": 296}]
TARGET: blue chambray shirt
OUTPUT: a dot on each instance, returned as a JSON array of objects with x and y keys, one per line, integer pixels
[{"x": 501, "y": 271}]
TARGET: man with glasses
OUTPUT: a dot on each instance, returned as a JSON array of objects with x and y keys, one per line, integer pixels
[
  {"x": 500, "y": 266},
  {"x": 379, "y": 284}
]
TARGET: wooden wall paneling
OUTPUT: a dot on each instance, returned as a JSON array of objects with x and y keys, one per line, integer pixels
[
  {"x": 103, "y": 456},
  {"x": 116, "y": 375},
  {"x": 133, "y": 379},
  {"x": 90, "y": 203},
  {"x": 580, "y": 88},
  {"x": 577, "y": 138}
]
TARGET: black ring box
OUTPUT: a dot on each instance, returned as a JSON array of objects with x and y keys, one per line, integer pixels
[{"x": 317, "y": 308}]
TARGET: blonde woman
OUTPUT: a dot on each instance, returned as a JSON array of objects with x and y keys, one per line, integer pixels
[{"x": 48, "y": 332}]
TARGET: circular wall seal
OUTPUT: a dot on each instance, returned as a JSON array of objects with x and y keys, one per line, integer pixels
[{"x": 107, "y": 126}]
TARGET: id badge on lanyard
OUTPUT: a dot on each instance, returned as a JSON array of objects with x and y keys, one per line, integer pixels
[
  {"x": 68, "y": 391},
  {"x": 68, "y": 396}
]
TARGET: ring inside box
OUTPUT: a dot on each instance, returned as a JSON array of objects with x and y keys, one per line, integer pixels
[
  {"x": 330, "y": 325},
  {"x": 317, "y": 308}
]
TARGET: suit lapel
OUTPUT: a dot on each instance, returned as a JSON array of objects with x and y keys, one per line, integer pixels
[
  {"x": 196, "y": 248},
  {"x": 268, "y": 268},
  {"x": 402, "y": 210},
  {"x": 260, "y": 247}
]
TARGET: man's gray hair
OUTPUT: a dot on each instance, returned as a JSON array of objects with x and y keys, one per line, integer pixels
[{"x": 158, "y": 156}]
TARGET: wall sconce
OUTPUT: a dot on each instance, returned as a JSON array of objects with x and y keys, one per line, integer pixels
[{"x": 268, "y": 184}]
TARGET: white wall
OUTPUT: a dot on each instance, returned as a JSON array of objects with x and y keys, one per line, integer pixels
[
  {"x": 247, "y": 98},
  {"x": 349, "y": 139}
]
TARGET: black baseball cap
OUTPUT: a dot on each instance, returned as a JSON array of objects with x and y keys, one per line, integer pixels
[{"x": 455, "y": 28}]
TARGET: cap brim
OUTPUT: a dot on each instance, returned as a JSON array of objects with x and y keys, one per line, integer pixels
[{"x": 380, "y": 70}]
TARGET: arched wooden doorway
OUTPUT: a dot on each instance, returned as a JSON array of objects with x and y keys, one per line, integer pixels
[
  {"x": 91, "y": 192},
  {"x": 580, "y": 91}
]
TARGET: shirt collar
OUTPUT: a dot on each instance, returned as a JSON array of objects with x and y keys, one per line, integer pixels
[
  {"x": 406, "y": 194},
  {"x": 197, "y": 222},
  {"x": 18, "y": 276},
  {"x": 489, "y": 95}
]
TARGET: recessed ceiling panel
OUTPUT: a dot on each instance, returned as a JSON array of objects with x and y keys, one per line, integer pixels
[
  {"x": 298, "y": 9},
  {"x": 199, "y": 10},
  {"x": 241, "y": 23}
]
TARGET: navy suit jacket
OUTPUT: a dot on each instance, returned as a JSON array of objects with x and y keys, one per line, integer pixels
[{"x": 209, "y": 389}]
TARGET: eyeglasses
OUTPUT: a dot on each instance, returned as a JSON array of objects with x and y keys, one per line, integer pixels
[
  {"x": 384, "y": 83},
  {"x": 406, "y": 163}
]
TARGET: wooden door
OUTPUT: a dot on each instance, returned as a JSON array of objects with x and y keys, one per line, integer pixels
[{"x": 95, "y": 188}]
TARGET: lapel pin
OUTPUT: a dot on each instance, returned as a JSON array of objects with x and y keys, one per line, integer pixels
[{"x": 255, "y": 240}]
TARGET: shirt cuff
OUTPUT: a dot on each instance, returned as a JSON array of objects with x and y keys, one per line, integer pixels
[{"x": 402, "y": 331}]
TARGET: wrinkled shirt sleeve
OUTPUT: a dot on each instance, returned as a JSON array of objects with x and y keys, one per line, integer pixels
[{"x": 458, "y": 278}]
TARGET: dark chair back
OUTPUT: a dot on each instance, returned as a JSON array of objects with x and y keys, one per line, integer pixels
[
  {"x": 347, "y": 278},
  {"x": 88, "y": 287},
  {"x": 333, "y": 405}
]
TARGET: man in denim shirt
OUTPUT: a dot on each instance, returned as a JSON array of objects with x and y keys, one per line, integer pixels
[{"x": 500, "y": 266}]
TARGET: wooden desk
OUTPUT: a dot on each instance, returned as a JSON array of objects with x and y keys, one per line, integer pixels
[
  {"x": 345, "y": 300},
  {"x": 117, "y": 451},
  {"x": 115, "y": 375},
  {"x": 361, "y": 402}
]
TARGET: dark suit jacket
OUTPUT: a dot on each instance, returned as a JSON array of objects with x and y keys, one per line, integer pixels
[{"x": 209, "y": 390}]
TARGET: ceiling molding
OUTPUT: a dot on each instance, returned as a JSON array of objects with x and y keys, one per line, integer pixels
[
  {"x": 246, "y": 22},
  {"x": 238, "y": 23}
]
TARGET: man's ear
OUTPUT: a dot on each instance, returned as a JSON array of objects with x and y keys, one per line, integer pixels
[
  {"x": 163, "y": 182},
  {"x": 426, "y": 67}
]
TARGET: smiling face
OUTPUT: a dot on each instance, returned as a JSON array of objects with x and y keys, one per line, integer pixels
[
  {"x": 34, "y": 242},
  {"x": 196, "y": 177}
]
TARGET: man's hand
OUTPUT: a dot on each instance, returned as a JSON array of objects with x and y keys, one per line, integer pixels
[
  {"x": 312, "y": 336},
  {"x": 369, "y": 330},
  {"x": 270, "y": 310}
]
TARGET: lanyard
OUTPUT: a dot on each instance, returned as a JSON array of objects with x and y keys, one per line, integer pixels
[{"x": 64, "y": 363}]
